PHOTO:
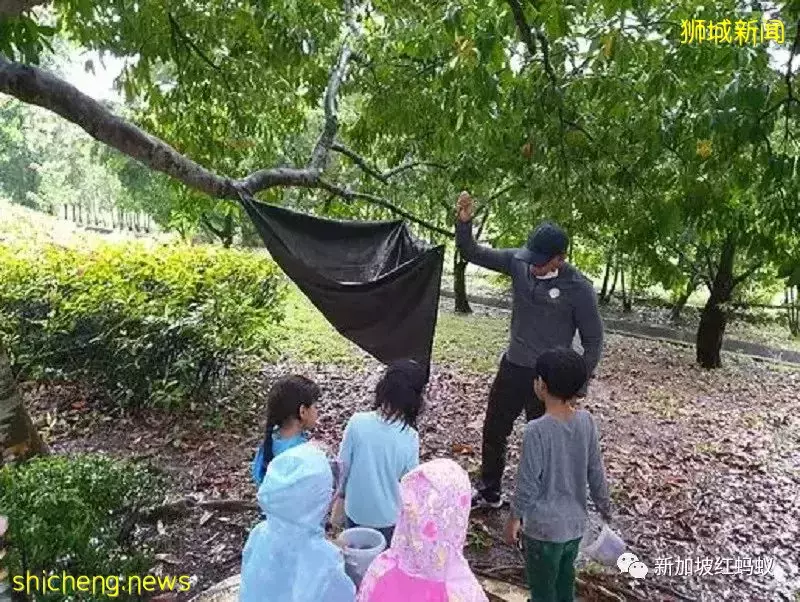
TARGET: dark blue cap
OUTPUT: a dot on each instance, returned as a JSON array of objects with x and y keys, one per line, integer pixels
[{"x": 545, "y": 242}]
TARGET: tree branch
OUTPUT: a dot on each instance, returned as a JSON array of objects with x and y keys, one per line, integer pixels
[
  {"x": 319, "y": 157},
  {"x": 349, "y": 195},
  {"x": 189, "y": 42},
  {"x": 527, "y": 32},
  {"x": 207, "y": 223},
  {"x": 35, "y": 86},
  {"x": 755, "y": 266},
  {"x": 384, "y": 176},
  {"x": 522, "y": 25}
]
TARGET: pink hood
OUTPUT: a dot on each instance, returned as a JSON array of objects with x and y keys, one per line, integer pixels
[{"x": 426, "y": 559}]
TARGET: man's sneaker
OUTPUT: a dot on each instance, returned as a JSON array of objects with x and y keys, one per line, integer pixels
[{"x": 480, "y": 500}]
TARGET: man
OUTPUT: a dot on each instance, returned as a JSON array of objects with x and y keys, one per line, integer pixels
[{"x": 551, "y": 299}]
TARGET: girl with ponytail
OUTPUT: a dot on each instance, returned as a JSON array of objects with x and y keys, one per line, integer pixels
[
  {"x": 291, "y": 412},
  {"x": 381, "y": 446}
]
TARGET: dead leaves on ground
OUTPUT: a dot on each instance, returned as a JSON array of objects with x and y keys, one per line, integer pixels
[{"x": 701, "y": 464}]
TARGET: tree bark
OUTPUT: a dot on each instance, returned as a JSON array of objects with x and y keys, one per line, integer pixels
[
  {"x": 18, "y": 436},
  {"x": 460, "y": 284},
  {"x": 714, "y": 317}
]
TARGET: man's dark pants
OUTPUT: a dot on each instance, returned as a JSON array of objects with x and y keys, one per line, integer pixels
[{"x": 511, "y": 393}]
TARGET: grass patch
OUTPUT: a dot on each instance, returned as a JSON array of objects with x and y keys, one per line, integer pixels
[
  {"x": 471, "y": 343},
  {"x": 306, "y": 336}
]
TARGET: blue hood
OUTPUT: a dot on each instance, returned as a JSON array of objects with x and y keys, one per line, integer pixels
[
  {"x": 287, "y": 558},
  {"x": 298, "y": 487}
]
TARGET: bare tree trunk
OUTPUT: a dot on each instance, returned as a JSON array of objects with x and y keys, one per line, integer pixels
[
  {"x": 714, "y": 318},
  {"x": 18, "y": 437},
  {"x": 460, "y": 284},
  {"x": 616, "y": 278},
  {"x": 626, "y": 298},
  {"x": 791, "y": 298},
  {"x": 606, "y": 276}
]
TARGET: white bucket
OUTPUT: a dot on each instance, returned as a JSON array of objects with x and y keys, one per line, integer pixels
[
  {"x": 361, "y": 546},
  {"x": 606, "y": 548}
]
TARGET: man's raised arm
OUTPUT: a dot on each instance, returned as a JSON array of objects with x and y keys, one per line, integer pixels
[{"x": 498, "y": 260}]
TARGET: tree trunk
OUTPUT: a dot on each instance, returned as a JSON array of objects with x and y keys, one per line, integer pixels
[
  {"x": 677, "y": 308},
  {"x": 626, "y": 298},
  {"x": 18, "y": 437},
  {"x": 606, "y": 276},
  {"x": 791, "y": 298},
  {"x": 460, "y": 284},
  {"x": 714, "y": 317},
  {"x": 614, "y": 282}
]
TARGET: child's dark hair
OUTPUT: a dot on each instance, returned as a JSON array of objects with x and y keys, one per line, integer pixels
[
  {"x": 563, "y": 371},
  {"x": 287, "y": 395},
  {"x": 399, "y": 392}
]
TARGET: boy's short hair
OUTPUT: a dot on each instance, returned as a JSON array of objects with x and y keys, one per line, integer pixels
[{"x": 563, "y": 371}]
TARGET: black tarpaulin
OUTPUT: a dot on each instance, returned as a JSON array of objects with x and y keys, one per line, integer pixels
[{"x": 373, "y": 281}]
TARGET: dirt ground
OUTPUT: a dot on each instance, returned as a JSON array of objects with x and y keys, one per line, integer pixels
[{"x": 702, "y": 465}]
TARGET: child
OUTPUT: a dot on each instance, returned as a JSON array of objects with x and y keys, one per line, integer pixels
[
  {"x": 379, "y": 447},
  {"x": 426, "y": 560},
  {"x": 560, "y": 452},
  {"x": 291, "y": 411},
  {"x": 287, "y": 557}
]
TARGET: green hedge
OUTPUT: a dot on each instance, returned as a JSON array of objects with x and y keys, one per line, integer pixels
[
  {"x": 147, "y": 325},
  {"x": 72, "y": 516}
]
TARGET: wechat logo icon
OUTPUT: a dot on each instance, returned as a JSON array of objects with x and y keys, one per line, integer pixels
[{"x": 630, "y": 563}]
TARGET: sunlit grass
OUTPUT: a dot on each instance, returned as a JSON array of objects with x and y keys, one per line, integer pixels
[{"x": 467, "y": 342}]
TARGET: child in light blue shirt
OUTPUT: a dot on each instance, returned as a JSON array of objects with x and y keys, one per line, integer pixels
[
  {"x": 291, "y": 412},
  {"x": 381, "y": 446}
]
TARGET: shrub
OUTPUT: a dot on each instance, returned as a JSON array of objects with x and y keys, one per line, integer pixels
[
  {"x": 146, "y": 325},
  {"x": 69, "y": 515}
]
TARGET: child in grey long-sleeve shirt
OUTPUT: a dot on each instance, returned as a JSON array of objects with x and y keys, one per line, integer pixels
[{"x": 560, "y": 454}]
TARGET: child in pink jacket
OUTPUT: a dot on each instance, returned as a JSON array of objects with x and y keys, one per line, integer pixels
[{"x": 426, "y": 559}]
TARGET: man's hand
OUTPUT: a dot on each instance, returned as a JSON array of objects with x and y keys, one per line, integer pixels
[
  {"x": 465, "y": 208},
  {"x": 511, "y": 532}
]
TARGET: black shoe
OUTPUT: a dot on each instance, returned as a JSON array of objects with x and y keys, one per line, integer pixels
[{"x": 484, "y": 500}]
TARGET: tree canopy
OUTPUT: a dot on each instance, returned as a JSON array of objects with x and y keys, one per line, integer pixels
[{"x": 681, "y": 159}]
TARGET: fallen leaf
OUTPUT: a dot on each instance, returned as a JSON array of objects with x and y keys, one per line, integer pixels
[
  {"x": 462, "y": 449},
  {"x": 168, "y": 558}
]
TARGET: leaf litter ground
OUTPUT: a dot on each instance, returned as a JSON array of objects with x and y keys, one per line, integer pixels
[{"x": 702, "y": 465}]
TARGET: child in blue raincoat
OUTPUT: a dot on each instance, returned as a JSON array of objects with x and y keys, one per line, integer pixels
[
  {"x": 287, "y": 557},
  {"x": 291, "y": 413}
]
